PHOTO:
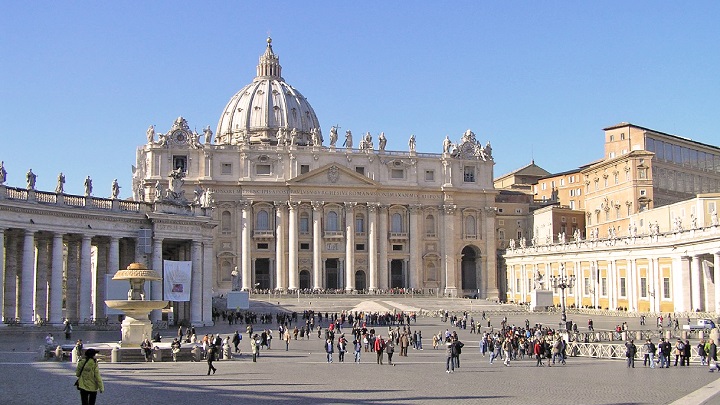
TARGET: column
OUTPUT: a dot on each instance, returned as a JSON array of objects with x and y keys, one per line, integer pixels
[
  {"x": 414, "y": 270},
  {"x": 716, "y": 271},
  {"x": 41, "y": 277},
  {"x": 2, "y": 271},
  {"x": 383, "y": 280},
  {"x": 86, "y": 281},
  {"x": 631, "y": 293},
  {"x": 207, "y": 287},
  {"x": 317, "y": 245},
  {"x": 280, "y": 231},
  {"x": 610, "y": 284},
  {"x": 196, "y": 283},
  {"x": 113, "y": 263},
  {"x": 695, "y": 283},
  {"x": 27, "y": 278},
  {"x": 12, "y": 272},
  {"x": 293, "y": 245},
  {"x": 246, "y": 246},
  {"x": 489, "y": 260},
  {"x": 449, "y": 249},
  {"x": 372, "y": 247},
  {"x": 653, "y": 291},
  {"x": 56, "y": 280},
  {"x": 156, "y": 286},
  {"x": 100, "y": 271},
  {"x": 350, "y": 246},
  {"x": 71, "y": 289}
]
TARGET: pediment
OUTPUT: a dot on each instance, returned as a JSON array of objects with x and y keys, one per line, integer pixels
[{"x": 333, "y": 175}]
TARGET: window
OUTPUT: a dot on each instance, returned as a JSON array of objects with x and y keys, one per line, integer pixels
[
  {"x": 469, "y": 174},
  {"x": 332, "y": 219},
  {"x": 603, "y": 286},
  {"x": 396, "y": 225},
  {"x": 360, "y": 170},
  {"x": 429, "y": 175},
  {"x": 360, "y": 247},
  {"x": 304, "y": 169},
  {"x": 518, "y": 210},
  {"x": 552, "y": 184},
  {"x": 397, "y": 248},
  {"x": 180, "y": 162},
  {"x": 304, "y": 223},
  {"x": 501, "y": 234},
  {"x": 586, "y": 286},
  {"x": 517, "y": 285},
  {"x": 623, "y": 290},
  {"x": 263, "y": 220},
  {"x": 642, "y": 173},
  {"x": 666, "y": 288},
  {"x": 543, "y": 186},
  {"x": 501, "y": 222},
  {"x": 562, "y": 182},
  {"x": 397, "y": 173},
  {"x": 263, "y": 246},
  {"x": 304, "y": 246},
  {"x": 430, "y": 226},
  {"x": 470, "y": 226},
  {"x": 616, "y": 176},
  {"x": 643, "y": 287},
  {"x": 359, "y": 223},
  {"x": 226, "y": 222},
  {"x": 226, "y": 168},
  {"x": 262, "y": 170}
]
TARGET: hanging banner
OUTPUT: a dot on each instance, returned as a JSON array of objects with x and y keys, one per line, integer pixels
[{"x": 176, "y": 280}]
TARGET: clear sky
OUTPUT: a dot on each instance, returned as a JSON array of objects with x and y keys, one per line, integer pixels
[{"x": 81, "y": 81}]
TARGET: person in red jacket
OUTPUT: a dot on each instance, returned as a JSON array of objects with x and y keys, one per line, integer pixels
[
  {"x": 538, "y": 350},
  {"x": 379, "y": 348}
]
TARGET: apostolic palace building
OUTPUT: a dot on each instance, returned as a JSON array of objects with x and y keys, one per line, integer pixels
[{"x": 271, "y": 202}]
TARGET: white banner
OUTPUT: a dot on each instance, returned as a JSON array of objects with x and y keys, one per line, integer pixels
[{"x": 176, "y": 280}]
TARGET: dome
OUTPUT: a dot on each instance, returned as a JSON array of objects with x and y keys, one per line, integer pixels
[{"x": 259, "y": 110}]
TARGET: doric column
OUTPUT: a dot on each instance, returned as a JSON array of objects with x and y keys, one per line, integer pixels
[
  {"x": 73, "y": 277},
  {"x": 56, "y": 280},
  {"x": 245, "y": 264},
  {"x": 113, "y": 255},
  {"x": 156, "y": 286},
  {"x": 372, "y": 247},
  {"x": 486, "y": 225},
  {"x": 415, "y": 247},
  {"x": 41, "y": 277},
  {"x": 2, "y": 270},
  {"x": 27, "y": 278},
  {"x": 449, "y": 248},
  {"x": 100, "y": 271},
  {"x": 383, "y": 278},
  {"x": 12, "y": 268},
  {"x": 653, "y": 286},
  {"x": 695, "y": 284},
  {"x": 317, "y": 244},
  {"x": 350, "y": 246},
  {"x": 86, "y": 279},
  {"x": 280, "y": 231},
  {"x": 293, "y": 245},
  {"x": 208, "y": 268},
  {"x": 631, "y": 296},
  {"x": 196, "y": 283},
  {"x": 716, "y": 271}
]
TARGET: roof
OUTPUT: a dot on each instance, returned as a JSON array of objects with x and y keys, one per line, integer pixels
[
  {"x": 682, "y": 138},
  {"x": 531, "y": 169}
]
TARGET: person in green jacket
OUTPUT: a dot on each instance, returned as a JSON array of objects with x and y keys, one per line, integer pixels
[{"x": 89, "y": 380}]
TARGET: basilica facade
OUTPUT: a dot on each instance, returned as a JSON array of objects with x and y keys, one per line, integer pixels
[{"x": 296, "y": 211}]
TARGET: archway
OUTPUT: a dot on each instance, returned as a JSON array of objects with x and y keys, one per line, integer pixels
[{"x": 469, "y": 269}]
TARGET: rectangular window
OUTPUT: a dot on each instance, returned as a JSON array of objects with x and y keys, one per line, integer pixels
[
  {"x": 429, "y": 175},
  {"x": 262, "y": 246},
  {"x": 643, "y": 287},
  {"x": 603, "y": 286},
  {"x": 544, "y": 186},
  {"x": 501, "y": 222},
  {"x": 562, "y": 182},
  {"x": 304, "y": 225},
  {"x": 226, "y": 168},
  {"x": 517, "y": 285},
  {"x": 469, "y": 174},
  {"x": 360, "y": 247},
  {"x": 397, "y": 173},
  {"x": 263, "y": 170},
  {"x": 397, "y": 248},
  {"x": 304, "y": 246},
  {"x": 666, "y": 288},
  {"x": 360, "y": 170},
  {"x": 623, "y": 292},
  {"x": 586, "y": 286},
  {"x": 304, "y": 169}
]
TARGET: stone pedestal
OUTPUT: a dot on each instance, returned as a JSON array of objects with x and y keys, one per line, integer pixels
[{"x": 540, "y": 300}]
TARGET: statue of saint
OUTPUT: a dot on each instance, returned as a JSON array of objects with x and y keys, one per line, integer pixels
[
  {"x": 141, "y": 192},
  {"x": 280, "y": 136},
  {"x": 488, "y": 150},
  {"x": 382, "y": 141},
  {"x": 158, "y": 191},
  {"x": 315, "y": 134},
  {"x": 3, "y": 173},
  {"x": 411, "y": 143},
  {"x": 30, "y": 177},
  {"x": 150, "y": 134},
  {"x": 348, "y": 139},
  {"x": 88, "y": 186},
  {"x": 208, "y": 134},
  {"x": 115, "y": 189},
  {"x": 539, "y": 280},
  {"x": 293, "y": 137},
  {"x": 333, "y": 135},
  {"x": 60, "y": 187},
  {"x": 447, "y": 144},
  {"x": 198, "y": 195}
]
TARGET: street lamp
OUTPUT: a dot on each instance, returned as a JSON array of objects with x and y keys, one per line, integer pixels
[{"x": 562, "y": 282}]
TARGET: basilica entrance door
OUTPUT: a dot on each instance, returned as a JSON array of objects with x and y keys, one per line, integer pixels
[
  {"x": 360, "y": 280},
  {"x": 397, "y": 279},
  {"x": 469, "y": 269},
  {"x": 332, "y": 274},
  {"x": 262, "y": 274},
  {"x": 305, "y": 280}
]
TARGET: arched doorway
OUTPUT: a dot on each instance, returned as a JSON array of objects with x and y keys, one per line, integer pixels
[
  {"x": 305, "y": 280},
  {"x": 360, "y": 280},
  {"x": 469, "y": 269}
]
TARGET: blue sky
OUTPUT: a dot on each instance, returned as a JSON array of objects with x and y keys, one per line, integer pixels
[{"x": 80, "y": 82}]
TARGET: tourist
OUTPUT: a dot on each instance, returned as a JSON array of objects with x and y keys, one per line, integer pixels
[
  {"x": 210, "y": 358},
  {"x": 712, "y": 355},
  {"x": 146, "y": 348},
  {"x": 286, "y": 337},
  {"x": 237, "y": 337},
  {"x": 67, "y": 328},
  {"x": 175, "y": 348},
  {"x": 379, "y": 348},
  {"x": 357, "y": 346},
  {"x": 342, "y": 348},
  {"x": 255, "y": 347},
  {"x": 329, "y": 350},
  {"x": 630, "y": 351},
  {"x": 450, "y": 356},
  {"x": 390, "y": 349},
  {"x": 89, "y": 380},
  {"x": 538, "y": 351}
]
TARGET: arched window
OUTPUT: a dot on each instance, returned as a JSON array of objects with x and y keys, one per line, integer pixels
[
  {"x": 470, "y": 226},
  {"x": 359, "y": 223},
  {"x": 263, "y": 220},
  {"x": 332, "y": 221},
  {"x": 430, "y": 225},
  {"x": 396, "y": 223},
  {"x": 226, "y": 221}
]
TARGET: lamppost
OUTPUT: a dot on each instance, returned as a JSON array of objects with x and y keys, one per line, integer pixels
[{"x": 562, "y": 282}]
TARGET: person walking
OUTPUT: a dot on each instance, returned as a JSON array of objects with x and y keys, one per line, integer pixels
[
  {"x": 89, "y": 381},
  {"x": 630, "y": 351},
  {"x": 538, "y": 351},
  {"x": 450, "y": 353},
  {"x": 255, "y": 347},
  {"x": 342, "y": 348},
  {"x": 287, "y": 337},
  {"x": 390, "y": 350},
  {"x": 379, "y": 348},
  {"x": 329, "y": 350},
  {"x": 712, "y": 355},
  {"x": 211, "y": 353},
  {"x": 357, "y": 346}
]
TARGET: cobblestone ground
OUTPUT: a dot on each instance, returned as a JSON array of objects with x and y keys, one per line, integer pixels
[{"x": 302, "y": 375}]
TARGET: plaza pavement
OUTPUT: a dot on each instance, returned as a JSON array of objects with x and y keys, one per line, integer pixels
[{"x": 302, "y": 375}]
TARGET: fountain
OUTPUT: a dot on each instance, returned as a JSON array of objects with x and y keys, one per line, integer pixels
[{"x": 136, "y": 325}]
